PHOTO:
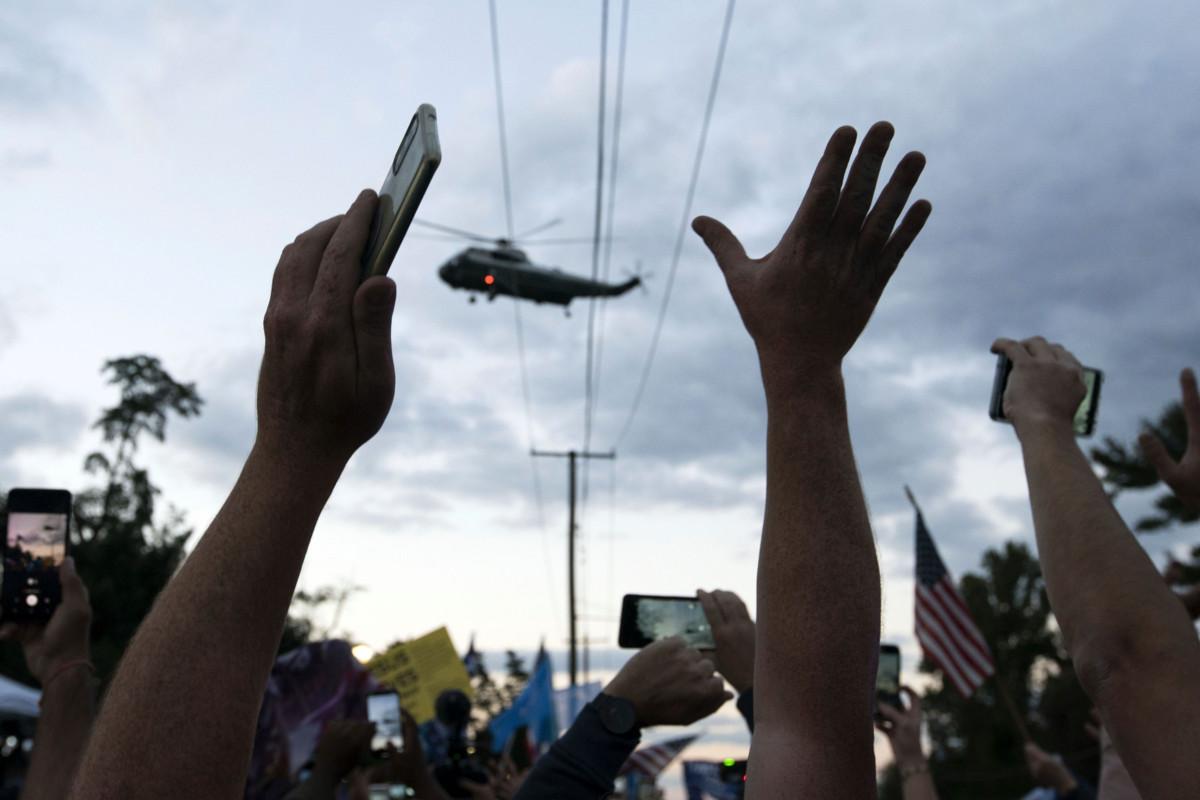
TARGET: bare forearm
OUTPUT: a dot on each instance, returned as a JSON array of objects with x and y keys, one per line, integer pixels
[
  {"x": 818, "y": 580},
  {"x": 68, "y": 707},
  {"x": 1106, "y": 593},
  {"x": 920, "y": 787},
  {"x": 189, "y": 688}
]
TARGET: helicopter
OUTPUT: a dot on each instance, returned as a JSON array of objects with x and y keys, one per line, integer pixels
[{"x": 503, "y": 269}]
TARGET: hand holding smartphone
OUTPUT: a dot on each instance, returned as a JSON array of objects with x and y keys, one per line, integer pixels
[
  {"x": 413, "y": 165},
  {"x": 887, "y": 680},
  {"x": 35, "y": 545},
  {"x": 383, "y": 709},
  {"x": 646, "y": 618},
  {"x": 1085, "y": 416}
]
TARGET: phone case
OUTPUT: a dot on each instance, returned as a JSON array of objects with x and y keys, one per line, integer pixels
[{"x": 398, "y": 201}]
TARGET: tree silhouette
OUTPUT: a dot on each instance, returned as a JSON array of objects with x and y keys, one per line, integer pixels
[{"x": 125, "y": 550}]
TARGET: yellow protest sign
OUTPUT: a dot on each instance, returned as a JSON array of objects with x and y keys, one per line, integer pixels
[{"x": 421, "y": 669}]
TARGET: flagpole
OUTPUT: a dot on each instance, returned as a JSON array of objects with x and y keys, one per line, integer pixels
[
  {"x": 908, "y": 493},
  {"x": 1012, "y": 707}
]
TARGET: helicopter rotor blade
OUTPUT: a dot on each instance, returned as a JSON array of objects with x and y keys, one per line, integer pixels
[
  {"x": 476, "y": 237},
  {"x": 569, "y": 240},
  {"x": 539, "y": 228},
  {"x": 434, "y": 237}
]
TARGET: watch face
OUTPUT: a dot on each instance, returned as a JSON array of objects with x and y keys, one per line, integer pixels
[{"x": 617, "y": 714}]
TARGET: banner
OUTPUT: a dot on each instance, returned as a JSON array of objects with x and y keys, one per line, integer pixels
[{"x": 420, "y": 670}]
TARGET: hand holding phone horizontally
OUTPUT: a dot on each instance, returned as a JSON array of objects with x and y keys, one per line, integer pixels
[
  {"x": 647, "y": 618},
  {"x": 412, "y": 169}
]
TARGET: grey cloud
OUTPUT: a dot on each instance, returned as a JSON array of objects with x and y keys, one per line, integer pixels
[
  {"x": 15, "y": 160},
  {"x": 36, "y": 79},
  {"x": 34, "y": 419}
]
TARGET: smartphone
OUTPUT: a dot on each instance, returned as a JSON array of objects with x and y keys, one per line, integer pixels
[
  {"x": 646, "y": 618},
  {"x": 887, "y": 680},
  {"x": 416, "y": 160},
  {"x": 1085, "y": 415},
  {"x": 35, "y": 545},
  {"x": 383, "y": 708}
]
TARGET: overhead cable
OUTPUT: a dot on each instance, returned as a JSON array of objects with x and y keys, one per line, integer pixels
[{"x": 683, "y": 225}]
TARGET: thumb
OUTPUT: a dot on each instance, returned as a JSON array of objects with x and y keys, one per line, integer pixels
[
  {"x": 74, "y": 592},
  {"x": 721, "y": 242},
  {"x": 373, "y": 305},
  {"x": 1156, "y": 453}
]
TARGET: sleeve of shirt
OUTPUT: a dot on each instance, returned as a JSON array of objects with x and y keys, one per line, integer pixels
[
  {"x": 582, "y": 765},
  {"x": 745, "y": 704}
]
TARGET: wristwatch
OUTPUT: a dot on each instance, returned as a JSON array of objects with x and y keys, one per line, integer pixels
[{"x": 616, "y": 713}]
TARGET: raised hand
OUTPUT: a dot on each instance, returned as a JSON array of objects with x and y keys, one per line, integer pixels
[
  {"x": 669, "y": 683},
  {"x": 733, "y": 633},
  {"x": 1183, "y": 476},
  {"x": 407, "y": 766},
  {"x": 63, "y": 642},
  {"x": 343, "y": 745},
  {"x": 327, "y": 378},
  {"x": 806, "y": 302},
  {"x": 1046, "y": 385},
  {"x": 1049, "y": 770},
  {"x": 904, "y": 730}
]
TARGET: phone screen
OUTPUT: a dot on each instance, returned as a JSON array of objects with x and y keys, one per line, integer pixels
[
  {"x": 384, "y": 710},
  {"x": 887, "y": 682},
  {"x": 35, "y": 545},
  {"x": 648, "y": 618},
  {"x": 412, "y": 169}
]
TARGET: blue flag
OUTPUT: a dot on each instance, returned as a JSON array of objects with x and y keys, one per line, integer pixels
[{"x": 534, "y": 707}]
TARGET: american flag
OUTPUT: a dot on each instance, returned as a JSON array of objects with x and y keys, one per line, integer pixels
[
  {"x": 944, "y": 625},
  {"x": 649, "y": 761}
]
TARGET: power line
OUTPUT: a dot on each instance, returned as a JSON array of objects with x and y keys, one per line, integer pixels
[
  {"x": 614, "y": 162},
  {"x": 517, "y": 322},
  {"x": 508, "y": 215},
  {"x": 603, "y": 94},
  {"x": 683, "y": 226}
]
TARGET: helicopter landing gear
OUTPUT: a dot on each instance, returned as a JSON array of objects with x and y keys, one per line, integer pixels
[{"x": 471, "y": 299}]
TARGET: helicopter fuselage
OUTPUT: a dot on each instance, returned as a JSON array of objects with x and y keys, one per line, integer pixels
[{"x": 508, "y": 271}]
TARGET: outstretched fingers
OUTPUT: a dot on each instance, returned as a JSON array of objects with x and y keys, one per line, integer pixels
[
  {"x": 899, "y": 243},
  {"x": 877, "y": 228},
  {"x": 821, "y": 200},
  {"x": 855, "y": 199},
  {"x": 1191, "y": 406}
]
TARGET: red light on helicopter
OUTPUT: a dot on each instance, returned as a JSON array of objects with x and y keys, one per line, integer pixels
[{"x": 489, "y": 279}]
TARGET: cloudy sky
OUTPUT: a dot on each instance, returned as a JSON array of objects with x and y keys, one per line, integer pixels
[{"x": 155, "y": 158}]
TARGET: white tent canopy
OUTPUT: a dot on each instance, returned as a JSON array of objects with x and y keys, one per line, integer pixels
[{"x": 18, "y": 700}]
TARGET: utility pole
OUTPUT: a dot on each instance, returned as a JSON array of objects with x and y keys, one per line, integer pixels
[{"x": 572, "y": 456}]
